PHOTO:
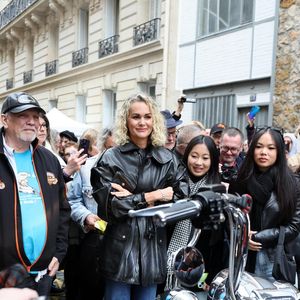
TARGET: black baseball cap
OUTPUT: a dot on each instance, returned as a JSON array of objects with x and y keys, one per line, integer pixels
[
  {"x": 69, "y": 135},
  {"x": 18, "y": 102},
  {"x": 219, "y": 127}
]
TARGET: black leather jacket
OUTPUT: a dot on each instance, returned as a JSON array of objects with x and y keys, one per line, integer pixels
[
  {"x": 134, "y": 250},
  {"x": 270, "y": 223}
]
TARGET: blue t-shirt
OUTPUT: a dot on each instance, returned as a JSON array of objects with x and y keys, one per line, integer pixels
[{"x": 32, "y": 206}]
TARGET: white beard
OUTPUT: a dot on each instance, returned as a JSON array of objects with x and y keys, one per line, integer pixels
[{"x": 25, "y": 137}]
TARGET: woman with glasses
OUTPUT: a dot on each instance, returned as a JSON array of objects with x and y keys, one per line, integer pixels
[
  {"x": 265, "y": 175},
  {"x": 44, "y": 131},
  {"x": 137, "y": 173}
]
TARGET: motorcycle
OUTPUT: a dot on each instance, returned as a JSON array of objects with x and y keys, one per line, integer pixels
[{"x": 216, "y": 206}]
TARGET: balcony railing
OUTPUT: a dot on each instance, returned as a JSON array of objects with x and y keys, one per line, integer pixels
[
  {"x": 146, "y": 32},
  {"x": 12, "y": 10},
  {"x": 9, "y": 83},
  {"x": 27, "y": 76},
  {"x": 80, "y": 57},
  {"x": 108, "y": 46},
  {"x": 51, "y": 67}
]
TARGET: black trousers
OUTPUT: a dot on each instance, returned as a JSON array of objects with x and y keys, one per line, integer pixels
[
  {"x": 82, "y": 277},
  {"x": 91, "y": 283}
]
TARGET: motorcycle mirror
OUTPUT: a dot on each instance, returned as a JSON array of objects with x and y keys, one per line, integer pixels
[{"x": 189, "y": 266}]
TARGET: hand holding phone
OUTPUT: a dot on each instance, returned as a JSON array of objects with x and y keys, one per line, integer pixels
[
  {"x": 84, "y": 144},
  {"x": 254, "y": 110}
]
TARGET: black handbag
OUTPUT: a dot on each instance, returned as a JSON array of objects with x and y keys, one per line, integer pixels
[{"x": 284, "y": 263}]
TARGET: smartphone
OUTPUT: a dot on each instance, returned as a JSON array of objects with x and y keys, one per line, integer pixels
[
  {"x": 254, "y": 110},
  {"x": 84, "y": 144}
]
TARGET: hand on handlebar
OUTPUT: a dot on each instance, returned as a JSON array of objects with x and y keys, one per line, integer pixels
[{"x": 254, "y": 246}]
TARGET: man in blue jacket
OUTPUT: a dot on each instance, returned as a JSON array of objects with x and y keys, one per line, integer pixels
[{"x": 34, "y": 212}]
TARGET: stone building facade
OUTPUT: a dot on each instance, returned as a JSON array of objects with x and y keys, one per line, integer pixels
[
  {"x": 86, "y": 56},
  {"x": 286, "y": 109}
]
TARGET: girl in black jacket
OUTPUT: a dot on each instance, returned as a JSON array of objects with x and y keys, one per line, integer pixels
[{"x": 265, "y": 176}]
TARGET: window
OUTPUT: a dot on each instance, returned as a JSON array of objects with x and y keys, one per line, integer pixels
[
  {"x": 51, "y": 65},
  {"x": 83, "y": 28},
  {"x": 220, "y": 15},
  {"x": 111, "y": 18},
  {"x": 109, "y": 108},
  {"x": 11, "y": 63},
  {"x": 81, "y": 108},
  {"x": 154, "y": 9},
  {"x": 52, "y": 103},
  {"x": 148, "y": 88},
  {"x": 53, "y": 42},
  {"x": 29, "y": 48}
]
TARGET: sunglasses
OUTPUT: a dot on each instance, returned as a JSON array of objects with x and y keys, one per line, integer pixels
[{"x": 266, "y": 128}]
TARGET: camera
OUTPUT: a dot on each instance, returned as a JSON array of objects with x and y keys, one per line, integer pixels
[
  {"x": 228, "y": 173},
  {"x": 182, "y": 99}
]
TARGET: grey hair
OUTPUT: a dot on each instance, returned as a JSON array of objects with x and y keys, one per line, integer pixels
[{"x": 106, "y": 132}]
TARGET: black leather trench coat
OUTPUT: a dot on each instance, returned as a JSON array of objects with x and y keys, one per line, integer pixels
[
  {"x": 134, "y": 250},
  {"x": 270, "y": 223}
]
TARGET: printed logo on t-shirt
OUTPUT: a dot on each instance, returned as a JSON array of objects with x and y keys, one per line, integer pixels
[{"x": 24, "y": 186}]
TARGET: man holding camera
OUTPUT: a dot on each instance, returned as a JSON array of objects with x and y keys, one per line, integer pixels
[
  {"x": 230, "y": 149},
  {"x": 172, "y": 121}
]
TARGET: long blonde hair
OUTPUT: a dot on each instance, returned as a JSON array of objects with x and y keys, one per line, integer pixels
[{"x": 158, "y": 135}]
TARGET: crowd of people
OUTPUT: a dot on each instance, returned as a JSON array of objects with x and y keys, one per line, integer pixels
[{"x": 66, "y": 208}]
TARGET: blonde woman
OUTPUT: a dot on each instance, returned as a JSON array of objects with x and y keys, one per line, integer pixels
[{"x": 137, "y": 173}]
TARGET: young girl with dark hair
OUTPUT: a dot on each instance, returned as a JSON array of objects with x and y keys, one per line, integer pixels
[
  {"x": 201, "y": 154},
  {"x": 265, "y": 176},
  {"x": 202, "y": 163}
]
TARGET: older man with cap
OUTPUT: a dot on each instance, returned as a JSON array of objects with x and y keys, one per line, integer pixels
[
  {"x": 34, "y": 212},
  {"x": 171, "y": 124}
]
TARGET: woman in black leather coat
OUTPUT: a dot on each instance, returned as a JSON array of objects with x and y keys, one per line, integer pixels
[
  {"x": 138, "y": 173},
  {"x": 275, "y": 192}
]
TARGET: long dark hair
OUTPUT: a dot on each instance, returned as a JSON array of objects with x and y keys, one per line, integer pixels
[
  {"x": 213, "y": 172},
  {"x": 285, "y": 183}
]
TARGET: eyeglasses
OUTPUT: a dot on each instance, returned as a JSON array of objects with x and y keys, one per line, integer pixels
[
  {"x": 43, "y": 125},
  {"x": 266, "y": 128},
  {"x": 233, "y": 150},
  {"x": 171, "y": 134}
]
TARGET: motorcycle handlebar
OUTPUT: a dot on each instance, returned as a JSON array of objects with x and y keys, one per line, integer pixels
[
  {"x": 209, "y": 198},
  {"x": 178, "y": 211}
]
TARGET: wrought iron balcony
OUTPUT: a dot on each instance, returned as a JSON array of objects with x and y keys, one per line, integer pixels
[
  {"x": 146, "y": 32},
  {"x": 12, "y": 10},
  {"x": 80, "y": 57},
  {"x": 27, "y": 76},
  {"x": 108, "y": 46},
  {"x": 51, "y": 67},
  {"x": 9, "y": 83}
]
